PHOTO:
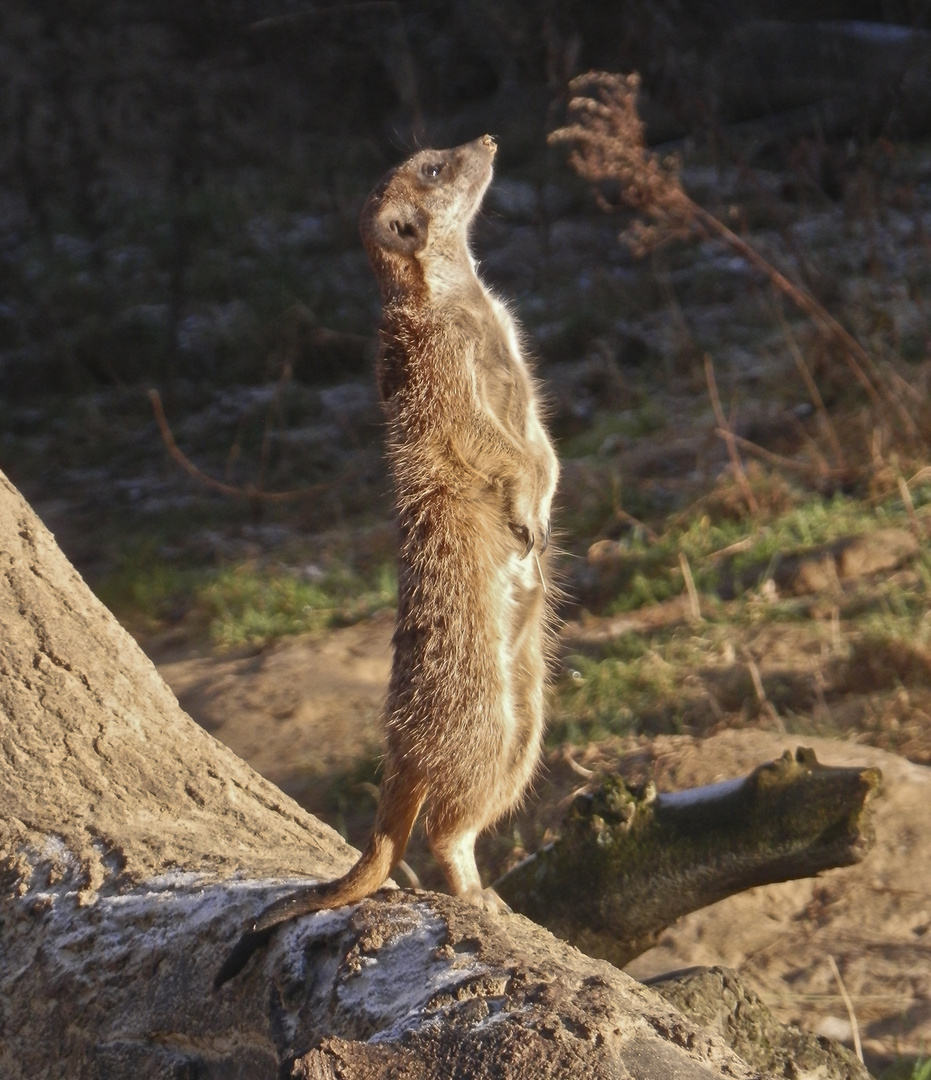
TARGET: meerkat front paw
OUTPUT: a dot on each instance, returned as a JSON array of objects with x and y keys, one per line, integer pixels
[
  {"x": 538, "y": 538},
  {"x": 524, "y": 535},
  {"x": 545, "y": 536}
]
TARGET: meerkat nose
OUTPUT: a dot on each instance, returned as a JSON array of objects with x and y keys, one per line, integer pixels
[{"x": 488, "y": 140}]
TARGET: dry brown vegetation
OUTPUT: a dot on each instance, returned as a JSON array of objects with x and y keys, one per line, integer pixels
[{"x": 608, "y": 149}]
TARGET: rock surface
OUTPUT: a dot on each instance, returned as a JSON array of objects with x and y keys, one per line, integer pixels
[{"x": 134, "y": 846}]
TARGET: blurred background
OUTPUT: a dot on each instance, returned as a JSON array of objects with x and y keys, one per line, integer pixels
[{"x": 180, "y": 186}]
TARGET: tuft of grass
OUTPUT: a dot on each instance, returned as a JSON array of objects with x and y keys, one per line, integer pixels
[
  {"x": 244, "y": 604},
  {"x": 250, "y": 606},
  {"x": 637, "y": 689},
  {"x": 908, "y": 1068},
  {"x": 647, "y": 571}
]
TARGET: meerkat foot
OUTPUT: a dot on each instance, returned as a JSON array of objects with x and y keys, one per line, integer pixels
[{"x": 486, "y": 899}]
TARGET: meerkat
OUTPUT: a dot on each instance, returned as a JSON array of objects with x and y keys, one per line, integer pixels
[{"x": 475, "y": 474}]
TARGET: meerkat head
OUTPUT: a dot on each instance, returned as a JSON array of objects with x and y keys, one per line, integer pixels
[{"x": 415, "y": 223}]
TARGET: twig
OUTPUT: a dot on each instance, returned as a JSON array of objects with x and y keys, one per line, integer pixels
[
  {"x": 907, "y": 388},
  {"x": 409, "y": 873},
  {"x": 622, "y": 515},
  {"x": 854, "y": 1026},
  {"x": 575, "y": 766},
  {"x": 923, "y": 473},
  {"x": 776, "y": 459},
  {"x": 248, "y": 492},
  {"x": 725, "y": 432},
  {"x": 732, "y": 549},
  {"x": 760, "y": 691}
]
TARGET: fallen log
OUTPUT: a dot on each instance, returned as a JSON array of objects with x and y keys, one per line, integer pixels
[{"x": 629, "y": 863}]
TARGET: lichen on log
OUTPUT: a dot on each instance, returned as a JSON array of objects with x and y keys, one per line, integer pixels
[{"x": 629, "y": 862}]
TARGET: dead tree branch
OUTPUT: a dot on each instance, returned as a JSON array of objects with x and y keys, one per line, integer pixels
[
  {"x": 628, "y": 864},
  {"x": 249, "y": 492}
]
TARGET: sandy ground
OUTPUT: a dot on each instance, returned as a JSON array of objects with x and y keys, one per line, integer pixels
[
  {"x": 307, "y": 709},
  {"x": 874, "y": 919}
]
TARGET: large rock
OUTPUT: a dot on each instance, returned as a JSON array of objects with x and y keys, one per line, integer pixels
[{"x": 133, "y": 847}]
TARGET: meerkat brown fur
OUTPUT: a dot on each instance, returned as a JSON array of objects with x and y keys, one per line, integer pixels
[{"x": 475, "y": 475}]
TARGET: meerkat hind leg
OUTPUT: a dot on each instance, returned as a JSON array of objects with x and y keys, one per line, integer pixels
[{"x": 454, "y": 850}]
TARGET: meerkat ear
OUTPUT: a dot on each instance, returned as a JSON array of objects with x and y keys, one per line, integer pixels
[{"x": 403, "y": 229}]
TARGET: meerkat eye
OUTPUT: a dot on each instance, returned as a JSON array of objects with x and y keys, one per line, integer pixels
[{"x": 432, "y": 169}]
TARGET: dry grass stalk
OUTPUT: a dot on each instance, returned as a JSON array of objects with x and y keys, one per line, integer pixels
[
  {"x": 780, "y": 460},
  {"x": 766, "y": 706},
  {"x": 848, "y": 1004},
  {"x": 812, "y": 387},
  {"x": 913, "y": 518},
  {"x": 608, "y": 146},
  {"x": 606, "y": 135},
  {"x": 822, "y": 466},
  {"x": 725, "y": 432},
  {"x": 694, "y": 604}
]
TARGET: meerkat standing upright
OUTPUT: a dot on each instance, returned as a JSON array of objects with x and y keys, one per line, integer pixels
[{"x": 475, "y": 475}]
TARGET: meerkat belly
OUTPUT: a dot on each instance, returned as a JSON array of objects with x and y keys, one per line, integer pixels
[
  {"x": 522, "y": 670},
  {"x": 469, "y": 632}
]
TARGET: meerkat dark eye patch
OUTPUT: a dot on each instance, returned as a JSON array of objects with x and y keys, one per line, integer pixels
[
  {"x": 403, "y": 228},
  {"x": 432, "y": 169}
]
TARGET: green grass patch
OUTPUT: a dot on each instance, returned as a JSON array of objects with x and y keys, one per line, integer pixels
[
  {"x": 908, "y": 1068},
  {"x": 737, "y": 555},
  {"x": 638, "y": 688},
  {"x": 245, "y": 603},
  {"x": 257, "y": 606},
  {"x": 610, "y": 426}
]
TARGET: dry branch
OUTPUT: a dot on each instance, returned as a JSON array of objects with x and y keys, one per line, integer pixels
[
  {"x": 725, "y": 432},
  {"x": 248, "y": 492}
]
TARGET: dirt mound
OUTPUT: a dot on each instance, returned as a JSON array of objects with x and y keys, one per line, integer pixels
[{"x": 301, "y": 710}]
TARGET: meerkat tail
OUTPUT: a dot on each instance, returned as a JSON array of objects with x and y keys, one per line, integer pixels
[
  {"x": 364, "y": 878},
  {"x": 397, "y": 811}
]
